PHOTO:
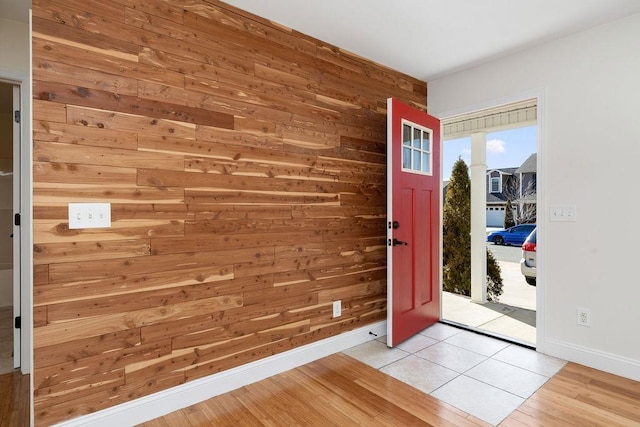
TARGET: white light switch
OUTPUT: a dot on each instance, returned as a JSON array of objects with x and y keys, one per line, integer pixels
[
  {"x": 566, "y": 213},
  {"x": 89, "y": 215}
]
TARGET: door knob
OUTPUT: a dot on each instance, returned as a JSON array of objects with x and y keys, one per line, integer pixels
[{"x": 397, "y": 242}]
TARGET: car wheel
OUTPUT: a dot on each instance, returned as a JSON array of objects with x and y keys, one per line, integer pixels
[
  {"x": 531, "y": 280},
  {"x": 498, "y": 240}
]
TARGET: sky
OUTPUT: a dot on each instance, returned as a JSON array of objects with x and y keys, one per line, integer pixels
[{"x": 505, "y": 149}]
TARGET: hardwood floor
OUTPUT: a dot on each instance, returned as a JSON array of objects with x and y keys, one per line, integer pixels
[
  {"x": 335, "y": 390},
  {"x": 581, "y": 396},
  {"x": 338, "y": 390},
  {"x": 14, "y": 400},
  {"x": 6, "y": 339}
]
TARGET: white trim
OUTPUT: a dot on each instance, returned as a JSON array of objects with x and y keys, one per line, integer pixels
[
  {"x": 17, "y": 230},
  {"x": 159, "y": 404},
  {"x": 541, "y": 194},
  {"x": 26, "y": 181},
  {"x": 488, "y": 105},
  {"x": 601, "y": 360},
  {"x": 441, "y": 219},
  {"x": 390, "y": 220}
]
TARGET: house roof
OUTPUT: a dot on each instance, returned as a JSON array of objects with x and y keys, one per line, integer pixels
[
  {"x": 504, "y": 171},
  {"x": 496, "y": 198},
  {"x": 529, "y": 165}
]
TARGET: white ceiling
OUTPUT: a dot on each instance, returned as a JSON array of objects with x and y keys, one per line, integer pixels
[{"x": 425, "y": 38}]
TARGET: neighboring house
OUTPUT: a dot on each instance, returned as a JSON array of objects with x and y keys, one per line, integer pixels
[{"x": 517, "y": 185}]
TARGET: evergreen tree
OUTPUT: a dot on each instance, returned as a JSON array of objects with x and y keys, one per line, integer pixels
[
  {"x": 494, "y": 278},
  {"x": 456, "y": 233},
  {"x": 509, "y": 220}
]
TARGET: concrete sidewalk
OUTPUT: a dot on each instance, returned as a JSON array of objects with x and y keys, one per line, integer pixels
[{"x": 514, "y": 317}]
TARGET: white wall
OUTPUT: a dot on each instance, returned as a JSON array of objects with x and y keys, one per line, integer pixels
[
  {"x": 589, "y": 88},
  {"x": 15, "y": 41}
]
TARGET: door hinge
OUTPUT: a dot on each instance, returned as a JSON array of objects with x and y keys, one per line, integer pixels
[
  {"x": 18, "y": 322},
  {"x": 16, "y": 219},
  {"x": 16, "y": 116}
]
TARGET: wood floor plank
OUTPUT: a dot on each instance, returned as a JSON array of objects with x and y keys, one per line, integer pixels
[
  {"x": 14, "y": 399},
  {"x": 336, "y": 408},
  {"x": 228, "y": 411},
  {"x": 581, "y": 396}
]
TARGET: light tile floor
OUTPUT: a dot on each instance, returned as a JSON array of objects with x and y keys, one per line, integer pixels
[{"x": 483, "y": 376}]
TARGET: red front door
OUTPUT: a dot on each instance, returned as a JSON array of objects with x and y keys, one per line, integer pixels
[{"x": 413, "y": 228}]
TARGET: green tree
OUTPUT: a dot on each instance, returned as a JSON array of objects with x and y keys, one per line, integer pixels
[
  {"x": 509, "y": 220},
  {"x": 456, "y": 233},
  {"x": 494, "y": 278}
]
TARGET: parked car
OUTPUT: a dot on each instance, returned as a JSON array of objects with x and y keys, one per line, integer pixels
[
  {"x": 515, "y": 235},
  {"x": 528, "y": 261}
]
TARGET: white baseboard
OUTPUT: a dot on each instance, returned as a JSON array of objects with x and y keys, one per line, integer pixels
[
  {"x": 603, "y": 361},
  {"x": 159, "y": 404}
]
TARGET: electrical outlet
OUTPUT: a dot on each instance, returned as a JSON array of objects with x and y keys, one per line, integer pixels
[
  {"x": 584, "y": 317},
  {"x": 337, "y": 308}
]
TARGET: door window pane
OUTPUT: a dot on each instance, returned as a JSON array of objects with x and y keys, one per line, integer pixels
[
  {"x": 406, "y": 158},
  {"x": 417, "y": 139},
  {"x": 426, "y": 161},
  {"x": 416, "y": 152},
  {"x": 416, "y": 162},
  {"x": 406, "y": 135}
]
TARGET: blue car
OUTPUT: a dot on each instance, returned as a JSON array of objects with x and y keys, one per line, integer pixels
[{"x": 515, "y": 235}]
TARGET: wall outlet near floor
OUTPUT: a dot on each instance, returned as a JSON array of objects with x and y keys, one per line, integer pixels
[
  {"x": 337, "y": 308},
  {"x": 584, "y": 317}
]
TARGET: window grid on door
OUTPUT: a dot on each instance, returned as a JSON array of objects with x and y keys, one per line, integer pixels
[{"x": 416, "y": 149}]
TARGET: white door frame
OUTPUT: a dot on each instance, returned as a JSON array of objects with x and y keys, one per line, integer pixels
[
  {"x": 539, "y": 96},
  {"x": 17, "y": 240},
  {"x": 22, "y": 204}
]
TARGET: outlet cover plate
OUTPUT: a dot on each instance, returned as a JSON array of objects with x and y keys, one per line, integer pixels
[
  {"x": 89, "y": 215},
  {"x": 337, "y": 308},
  {"x": 562, "y": 213},
  {"x": 583, "y": 317}
]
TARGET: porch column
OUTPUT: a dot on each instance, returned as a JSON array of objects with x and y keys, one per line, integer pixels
[{"x": 478, "y": 217}]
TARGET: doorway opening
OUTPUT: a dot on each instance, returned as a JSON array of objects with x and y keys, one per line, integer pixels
[
  {"x": 9, "y": 232},
  {"x": 499, "y": 150}
]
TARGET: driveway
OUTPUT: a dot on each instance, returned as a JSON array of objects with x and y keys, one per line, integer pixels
[{"x": 516, "y": 291}]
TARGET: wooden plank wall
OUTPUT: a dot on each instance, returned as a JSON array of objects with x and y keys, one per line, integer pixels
[{"x": 245, "y": 166}]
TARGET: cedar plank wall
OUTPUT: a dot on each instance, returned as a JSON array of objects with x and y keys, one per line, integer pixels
[{"x": 245, "y": 165}]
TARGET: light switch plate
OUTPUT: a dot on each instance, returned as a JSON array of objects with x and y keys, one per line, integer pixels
[
  {"x": 564, "y": 213},
  {"x": 89, "y": 215}
]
